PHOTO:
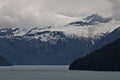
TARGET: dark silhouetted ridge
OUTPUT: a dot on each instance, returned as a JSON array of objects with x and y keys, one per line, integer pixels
[{"x": 104, "y": 59}]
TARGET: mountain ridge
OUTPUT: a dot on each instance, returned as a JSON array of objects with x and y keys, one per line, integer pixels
[
  {"x": 103, "y": 59},
  {"x": 58, "y": 45}
]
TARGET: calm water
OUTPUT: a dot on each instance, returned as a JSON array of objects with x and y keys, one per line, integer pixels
[{"x": 53, "y": 73}]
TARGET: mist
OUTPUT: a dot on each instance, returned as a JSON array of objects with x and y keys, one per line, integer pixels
[{"x": 44, "y": 13}]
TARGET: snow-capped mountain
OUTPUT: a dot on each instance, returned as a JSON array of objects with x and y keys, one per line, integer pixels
[
  {"x": 92, "y": 26},
  {"x": 57, "y": 44}
]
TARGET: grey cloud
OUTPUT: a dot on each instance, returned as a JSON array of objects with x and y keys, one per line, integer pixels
[
  {"x": 79, "y": 7},
  {"x": 116, "y": 9},
  {"x": 34, "y": 13}
]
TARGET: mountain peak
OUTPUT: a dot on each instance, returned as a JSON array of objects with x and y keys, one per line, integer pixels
[
  {"x": 97, "y": 18},
  {"x": 91, "y": 20}
]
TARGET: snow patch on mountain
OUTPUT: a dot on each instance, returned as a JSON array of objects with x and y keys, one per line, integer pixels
[
  {"x": 53, "y": 33},
  {"x": 93, "y": 31}
]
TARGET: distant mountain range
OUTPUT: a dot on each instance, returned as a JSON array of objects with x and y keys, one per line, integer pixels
[
  {"x": 104, "y": 59},
  {"x": 57, "y": 45}
]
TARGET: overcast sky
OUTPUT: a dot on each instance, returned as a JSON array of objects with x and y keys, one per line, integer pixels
[{"x": 40, "y": 13}]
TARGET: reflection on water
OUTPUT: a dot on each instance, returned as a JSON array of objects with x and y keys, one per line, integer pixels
[{"x": 53, "y": 73}]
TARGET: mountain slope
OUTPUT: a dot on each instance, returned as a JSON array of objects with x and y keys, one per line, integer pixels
[
  {"x": 4, "y": 62},
  {"x": 58, "y": 45},
  {"x": 36, "y": 52},
  {"x": 104, "y": 59},
  {"x": 107, "y": 38}
]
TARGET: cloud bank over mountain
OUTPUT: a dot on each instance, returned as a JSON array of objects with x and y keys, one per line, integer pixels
[
  {"x": 116, "y": 9},
  {"x": 41, "y": 13}
]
